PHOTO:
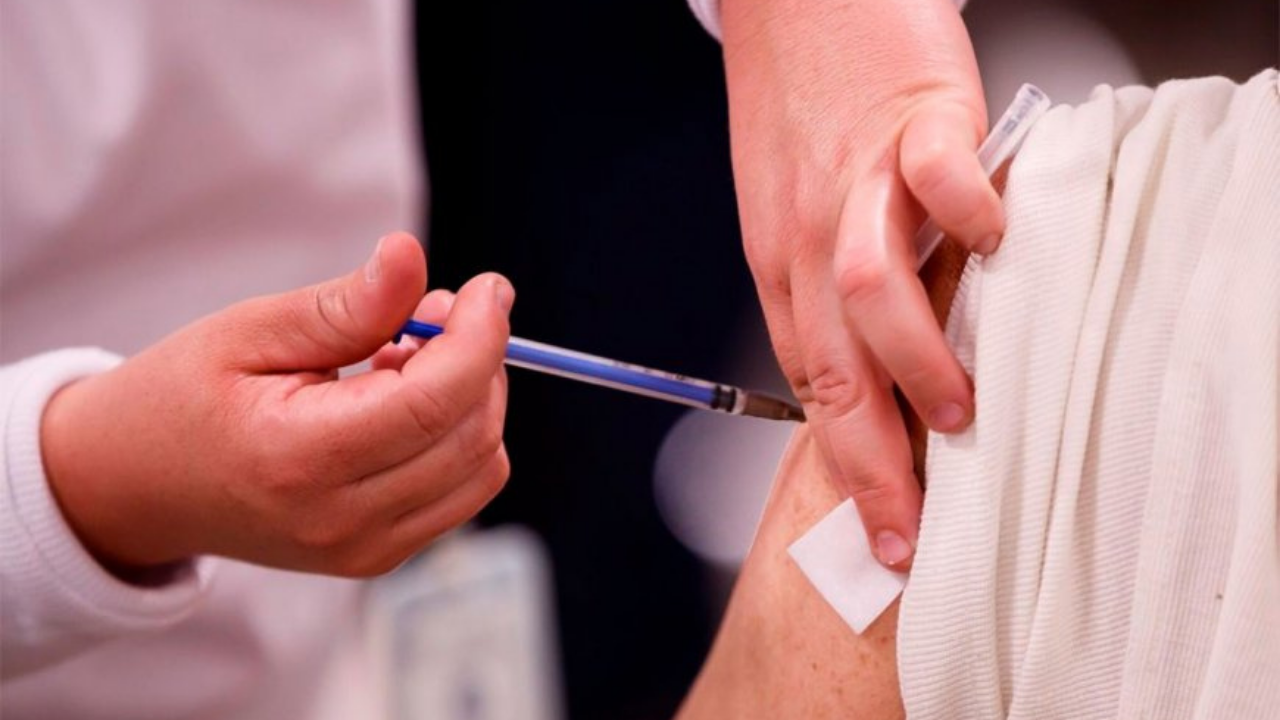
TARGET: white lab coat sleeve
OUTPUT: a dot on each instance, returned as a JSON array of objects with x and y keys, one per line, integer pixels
[
  {"x": 55, "y": 599},
  {"x": 708, "y": 13}
]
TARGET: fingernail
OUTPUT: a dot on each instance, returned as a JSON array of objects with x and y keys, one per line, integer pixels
[
  {"x": 891, "y": 548},
  {"x": 947, "y": 417},
  {"x": 988, "y": 244},
  {"x": 373, "y": 268},
  {"x": 505, "y": 294}
]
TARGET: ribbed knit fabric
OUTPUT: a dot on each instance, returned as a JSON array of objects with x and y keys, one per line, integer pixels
[
  {"x": 55, "y": 599},
  {"x": 1102, "y": 542}
]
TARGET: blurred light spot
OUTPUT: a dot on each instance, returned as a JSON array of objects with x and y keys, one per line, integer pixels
[
  {"x": 712, "y": 477},
  {"x": 1061, "y": 51}
]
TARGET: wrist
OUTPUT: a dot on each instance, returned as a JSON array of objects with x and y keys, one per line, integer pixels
[{"x": 100, "y": 499}]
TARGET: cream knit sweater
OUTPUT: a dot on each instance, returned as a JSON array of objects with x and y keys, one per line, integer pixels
[{"x": 1103, "y": 541}]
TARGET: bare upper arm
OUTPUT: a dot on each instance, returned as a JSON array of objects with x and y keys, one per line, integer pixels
[{"x": 782, "y": 651}]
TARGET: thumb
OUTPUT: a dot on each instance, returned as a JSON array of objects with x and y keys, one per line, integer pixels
[
  {"x": 340, "y": 321},
  {"x": 940, "y": 165}
]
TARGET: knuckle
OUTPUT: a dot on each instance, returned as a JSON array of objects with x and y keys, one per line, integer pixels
[
  {"x": 325, "y": 535},
  {"x": 291, "y": 479},
  {"x": 879, "y": 484},
  {"x": 297, "y": 476},
  {"x": 814, "y": 231},
  {"x": 366, "y": 565},
  {"x": 800, "y": 386},
  {"x": 497, "y": 475},
  {"x": 806, "y": 225},
  {"x": 837, "y": 391},
  {"x": 490, "y": 438},
  {"x": 332, "y": 306},
  {"x": 926, "y": 165},
  {"x": 772, "y": 280},
  {"x": 762, "y": 252},
  {"x": 870, "y": 493},
  {"x": 298, "y": 458},
  {"x": 813, "y": 206},
  {"x": 759, "y": 256},
  {"x": 425, "y": 533},
  {"x": 430, "y": 413},
  {"x": 332, "y": 528},
  {"x": 461, "y": 513},
  {"x": 280, "y": 475},
  {"x": 862, "y": 277},
  {"x": 482, "y": 441},
  {"x": 330, "y": 454},
  {"x": 266, "y": 459}
]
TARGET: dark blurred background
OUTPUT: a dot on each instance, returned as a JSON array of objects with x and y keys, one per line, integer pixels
[{"x": 581, "y": 148}]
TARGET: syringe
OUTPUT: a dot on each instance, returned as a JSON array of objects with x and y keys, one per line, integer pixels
[
  {"x": 598, "y": 370},
  {"x": 1005, "y": 138}
]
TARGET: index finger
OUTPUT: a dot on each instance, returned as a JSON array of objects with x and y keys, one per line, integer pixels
[
  {"x": 938, "y": 153},
  {"x": 368, "y": 422},
  {"x": 452, "y": 372},
  {"x": 859, "y": 430}
]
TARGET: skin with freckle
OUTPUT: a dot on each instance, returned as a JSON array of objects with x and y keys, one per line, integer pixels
[{"x": 782, "y": 651}]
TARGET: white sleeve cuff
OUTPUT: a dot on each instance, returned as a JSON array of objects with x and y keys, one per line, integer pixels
[
  {"x": 708, "y": 13},
  {"x": 55, "y": 599}
]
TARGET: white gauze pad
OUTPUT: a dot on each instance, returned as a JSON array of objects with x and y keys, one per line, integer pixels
[{"x": 836, "y": 558}]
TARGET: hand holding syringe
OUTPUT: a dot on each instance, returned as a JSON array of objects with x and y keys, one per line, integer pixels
[{"x": 1005, "y": 137}]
